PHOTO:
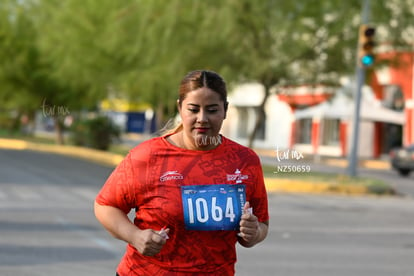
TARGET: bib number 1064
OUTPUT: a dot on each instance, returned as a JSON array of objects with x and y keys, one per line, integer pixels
[
  {"x": 213, "y": 207},
  {"x": 199, "y": 209}
]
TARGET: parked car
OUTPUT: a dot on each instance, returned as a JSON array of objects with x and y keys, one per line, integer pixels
[{"x": 402, "y": 159}]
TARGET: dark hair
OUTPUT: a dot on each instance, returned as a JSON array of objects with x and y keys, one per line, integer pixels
[{"x": 203, "y": 78}]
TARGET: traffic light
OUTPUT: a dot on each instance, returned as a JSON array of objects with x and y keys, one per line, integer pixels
[{"x": 366, "y": 57}]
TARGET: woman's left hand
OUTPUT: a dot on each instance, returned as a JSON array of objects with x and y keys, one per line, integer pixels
[
  {"x": 251, "y": 230},
  {"x": 249, "y": 225}
]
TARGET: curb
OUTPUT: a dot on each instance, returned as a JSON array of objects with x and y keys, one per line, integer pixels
[
  {"x": 98, "y": 156},
  {"x": 372, "y": 164},
  {"x": 276, "y": 185},
  {"x": 309, "y": 187}
]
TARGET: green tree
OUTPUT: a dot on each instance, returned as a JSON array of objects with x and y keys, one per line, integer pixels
[
  {"x": 73, "y": 53},
  {"x": 291, "y": 42},
  {"x": 20, "y": 71},
  {"x": 296, "y": 42},
  {"x": 158, "y": 41},
  {"x": 32, "y": 78}
]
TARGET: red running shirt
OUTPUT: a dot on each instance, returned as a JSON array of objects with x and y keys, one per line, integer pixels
[{"x": 150, "y": 179}]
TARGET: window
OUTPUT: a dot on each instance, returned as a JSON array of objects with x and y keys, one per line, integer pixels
[
  {"x": 303, "y": 131},
  {"x": 330, "y": 132},
  {"x": 393, "y": 97}
]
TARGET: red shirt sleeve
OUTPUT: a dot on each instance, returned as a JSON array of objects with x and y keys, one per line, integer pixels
[
  {"x": 258, "y": 195},
  {"x": 117, "y": 190}
]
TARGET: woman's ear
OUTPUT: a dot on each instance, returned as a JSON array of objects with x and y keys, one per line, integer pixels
[
  {"x": 178, "y": 105},
  {"x": 226, "y": 106}
]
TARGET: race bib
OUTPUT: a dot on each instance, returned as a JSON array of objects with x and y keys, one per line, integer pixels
[{"x": 213, "y": 207}]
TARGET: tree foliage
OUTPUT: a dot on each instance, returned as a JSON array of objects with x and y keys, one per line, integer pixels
[{"x": 74, "y": 53}]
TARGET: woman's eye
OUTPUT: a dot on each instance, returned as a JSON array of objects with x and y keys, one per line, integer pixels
[{"x": 195, "y": 110}]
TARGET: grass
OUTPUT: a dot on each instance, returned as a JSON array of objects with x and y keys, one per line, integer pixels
[
  {"x": 27, "y": 138},
  {"x": 119, "y": 149},
  {"x": 374, "y": 186},
  {"x": 51, "y": 140}
]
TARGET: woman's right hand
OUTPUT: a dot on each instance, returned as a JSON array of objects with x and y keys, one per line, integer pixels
[{"x": 149, "y": 242}]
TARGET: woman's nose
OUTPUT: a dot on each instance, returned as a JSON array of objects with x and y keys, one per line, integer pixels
[{"x": 202, "y": 116}]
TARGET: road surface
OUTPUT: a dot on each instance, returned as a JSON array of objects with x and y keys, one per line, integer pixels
[{"x": 47, "y": 227}]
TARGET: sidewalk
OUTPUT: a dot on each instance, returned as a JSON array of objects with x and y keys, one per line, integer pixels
[{"x": 272, "y": 184}]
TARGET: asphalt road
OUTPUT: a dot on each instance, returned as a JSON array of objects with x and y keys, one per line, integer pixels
[{"x": 47, "y": 227}]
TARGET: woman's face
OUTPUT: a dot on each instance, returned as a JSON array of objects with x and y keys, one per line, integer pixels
[{"x": 202, "y": 114}]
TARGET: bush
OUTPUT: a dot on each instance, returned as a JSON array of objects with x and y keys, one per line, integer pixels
[
  {"x": 97, "y": 133},
  {"x": 79, "y": 132},
  {"x": 9, "y": 123},
  {"x": 381, "y": 189}
]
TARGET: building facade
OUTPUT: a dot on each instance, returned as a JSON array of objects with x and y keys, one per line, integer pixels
[{"x": 318, "y": 119}]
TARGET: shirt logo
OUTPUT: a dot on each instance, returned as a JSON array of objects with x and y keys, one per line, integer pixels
[
  {"x": 171, "y": 175},
  {"x": 237, "y": 176}
]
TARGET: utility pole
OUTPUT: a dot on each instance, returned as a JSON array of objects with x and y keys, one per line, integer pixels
[{"x": 360, "y": 76}]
